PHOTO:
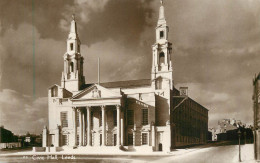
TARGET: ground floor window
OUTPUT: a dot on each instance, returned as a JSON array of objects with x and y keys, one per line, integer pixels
[
  {"x": 114, "y": 139},
  {"x": 100, "y": 139},
  {"x": 77, "y": 140},
  {"x": 64, "y": 139},
  {"x": 144, "y": 138},
  {"x": 130, "y": 139}
]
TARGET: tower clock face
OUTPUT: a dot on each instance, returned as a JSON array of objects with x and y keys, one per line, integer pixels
[{"x": 183, "y": 92}]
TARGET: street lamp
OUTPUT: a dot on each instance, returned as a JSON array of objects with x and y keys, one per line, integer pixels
[{"x": 239, "y": 134}]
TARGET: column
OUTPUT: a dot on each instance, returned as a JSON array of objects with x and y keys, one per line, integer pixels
[
  {"x": 122, "y": 128},
  {"x": 88, "y": 129},
  {"x": 118, "y": 139},
  {"x": 84, "y": 128},
  {"x": 134, "y": 135},
  {"x": 153, "y": 135},
  {"x": 75, "y": 125},
  {"x": 80, "y": 127},
  {"x": 103, "y": 126},
  {"x": 45, "y": 137}
]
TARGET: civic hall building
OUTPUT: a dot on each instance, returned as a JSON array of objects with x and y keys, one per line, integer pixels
[{"x": 135, "y": 115}]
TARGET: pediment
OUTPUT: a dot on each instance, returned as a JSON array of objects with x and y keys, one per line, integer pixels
[{"x": 96, "y": 92}]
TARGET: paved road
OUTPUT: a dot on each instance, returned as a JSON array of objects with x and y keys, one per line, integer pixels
[
  {"x": 216, "y": 154},
  {"x": 220, "y": 154}
]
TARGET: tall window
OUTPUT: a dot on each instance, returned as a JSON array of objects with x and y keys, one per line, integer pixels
[
  {"x": 77, "y": 119},
  {"x": 115, "y": 117},
  {"x": 161, "y": 58},
  {"x": 71, "y": 46},
  {"x": 54, "y": 92},
  {"x": 130, "y": 117},
  {"x": 100, "y": 118},
  {"x": 91, "y": 117},
  {"x": 64, "y": 119},
  {"x": 145, "y": 116},
  {"x": 100, "y": 139},
  {"x": 161, "y": 34},
  {"x": 77, "y": 140},
  {"x": 144, "y": 138},
  {"x": 71, "y": 67},
  {"x": 115, "y": 139},
  {"x": 159, "y": 83},
  {"x": 78, "y": 48},
  {"x": 130, "y": 139},
  {"x": 64, "y": 139}
]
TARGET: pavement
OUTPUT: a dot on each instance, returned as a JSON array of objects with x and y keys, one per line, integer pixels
[{"x": 203, "y": 154}]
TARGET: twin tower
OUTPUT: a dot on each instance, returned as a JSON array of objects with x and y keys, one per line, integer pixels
[{"x": 161, "y": 75}]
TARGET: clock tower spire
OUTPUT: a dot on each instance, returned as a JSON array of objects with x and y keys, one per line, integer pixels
[
  {"x": 72, "y": 75},
  {"x": 162, "y": 49}
]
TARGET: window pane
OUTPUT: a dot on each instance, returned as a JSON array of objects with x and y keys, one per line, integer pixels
[
  {"x": 115, "y": 117},
  {"x": 64, "y": 119},
  {"x": 71, "y": 46},
  {"x": 130, "y": 117},
  {"x": 64, "y": 140},
  {"x": 161, "y": 34},
  {"x": 100, "y": 118},
  {"x": 144, "y": 138},
  {"x": 130, "y": 139},
  {"x": 145, "y": 116}
]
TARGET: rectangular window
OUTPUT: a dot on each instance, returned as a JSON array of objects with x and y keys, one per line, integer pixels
[
  {"x": 77, "y": 119},
  {"x": 100, "y": 118},
  {"x": 115, "y": 117},
  {"x": 130, "y": 117},
  {"x": 77, "y": 140},
  {"x": 114, "y": 139},
  {"x": 64, "y": 119},
  {"x": 71, "y": 46},
  {"x": 144, "y": 138},
  {"x": 64, "y": 139},
  {"x": 145, "y": 116},
  {"x": 130, "y": 139},
  {"x": 161, "y": 34},
  {"x": 91, "y": 117}
]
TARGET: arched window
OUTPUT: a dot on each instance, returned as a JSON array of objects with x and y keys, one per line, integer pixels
[
  {"x": 71, "y": 66},
  {"x": 159, "y": 83},
  {"x": 161, "y": 58}
]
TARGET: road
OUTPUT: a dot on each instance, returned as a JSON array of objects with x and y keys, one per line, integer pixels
[
  {"x": 219, "y": 154},
  {"x": 203, "y": 154}
]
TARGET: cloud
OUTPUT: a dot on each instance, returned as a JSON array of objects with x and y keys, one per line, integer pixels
[
  {"x": 216, "y": 46},
  {"x": 20, "y": 113}
]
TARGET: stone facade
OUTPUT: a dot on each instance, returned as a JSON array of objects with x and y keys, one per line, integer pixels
[
  {"x": 133, "y": 115},
  {"x": 256, "y": 107}
]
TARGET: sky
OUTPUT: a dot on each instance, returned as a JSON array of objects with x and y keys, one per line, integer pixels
[{"x": 216, "y": 46}]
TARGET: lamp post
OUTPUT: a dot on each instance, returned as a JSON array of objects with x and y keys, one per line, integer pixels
[{"x": 239, "y": 134}]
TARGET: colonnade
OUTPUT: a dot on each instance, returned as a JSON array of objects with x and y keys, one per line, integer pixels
[{"x": 87, "y": 130}]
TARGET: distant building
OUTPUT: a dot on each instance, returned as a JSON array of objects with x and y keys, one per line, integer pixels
[
  {"x": 256, "y": 109},
  {"x": 226, "y": 129},
  {"x": 27, "y": 139}
]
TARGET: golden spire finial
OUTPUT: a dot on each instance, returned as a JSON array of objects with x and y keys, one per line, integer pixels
[{"x": 73, "y": 16}]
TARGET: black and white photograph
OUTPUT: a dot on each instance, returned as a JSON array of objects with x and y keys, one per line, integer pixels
[{"x": 130, "y": 81}]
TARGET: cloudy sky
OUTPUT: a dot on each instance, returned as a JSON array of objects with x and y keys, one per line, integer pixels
[{"x": 216, "y": 51}]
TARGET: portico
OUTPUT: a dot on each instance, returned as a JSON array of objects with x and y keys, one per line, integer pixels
[{"x": 92, "y": 110}]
